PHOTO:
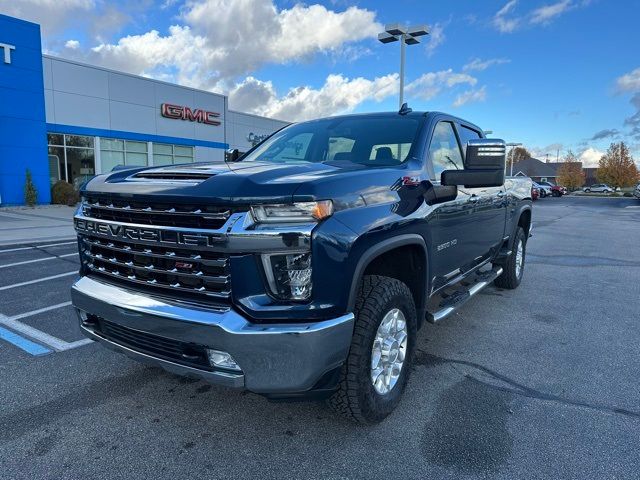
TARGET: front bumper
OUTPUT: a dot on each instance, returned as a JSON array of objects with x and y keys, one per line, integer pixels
[{"x": 274, "y": 358}]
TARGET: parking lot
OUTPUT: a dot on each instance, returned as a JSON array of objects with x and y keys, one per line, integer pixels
[{"x": 539, "y": 382}]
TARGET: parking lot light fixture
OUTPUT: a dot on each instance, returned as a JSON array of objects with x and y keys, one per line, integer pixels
[{"x": 396, "y": 32}]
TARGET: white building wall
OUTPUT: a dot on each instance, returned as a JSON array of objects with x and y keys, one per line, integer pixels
[
  {"x": 240, "y": 125},
  {"x": 80, "y": 95}
]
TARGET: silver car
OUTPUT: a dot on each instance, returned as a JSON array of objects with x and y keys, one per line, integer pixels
[{"x": 599, "y": 188}]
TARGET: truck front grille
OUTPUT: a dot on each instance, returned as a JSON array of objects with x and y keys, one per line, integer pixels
[
  {"x": 117, "y": 209},
  {"x": 197, "y": 274},
  {"x": 190, "y": 354}
]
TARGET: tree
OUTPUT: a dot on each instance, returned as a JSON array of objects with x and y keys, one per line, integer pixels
[
  {"x": 570, "y": 173},
  {"x": 516, "y": 155},
  {"x": 30, "y": 192},
  {"x": 617, "y": 168}
]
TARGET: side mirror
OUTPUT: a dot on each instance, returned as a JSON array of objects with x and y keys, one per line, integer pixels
[
  {"x": 232, "y": 155},
  {"x": 484, "y": 165}
]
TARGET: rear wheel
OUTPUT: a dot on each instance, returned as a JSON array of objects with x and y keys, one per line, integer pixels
[
  {"x": 513, "y": 268},
  {"x": 376, "y": 371},
  {"x": 587, "y": 190}
]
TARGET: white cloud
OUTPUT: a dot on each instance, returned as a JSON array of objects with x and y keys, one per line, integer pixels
[
  {"x": 220, "y": 40},
  {"x": 337, "y": 95},
  {"x": 72, "y": 44},
  {"x": 52, "y": 15},
  {"x": 590, "y": 157},
  {"x": 501, "y": 20},
  {"x": 435, "y": 38},
  {"x": 471, "y": 96},
  {"x": 431, "y": 84},
  {"x": 506, "y": 22},
  {"x": 545, "y": 14},
  {"x": 481, "y": 65},
  {"x": 629, "y": 82}
]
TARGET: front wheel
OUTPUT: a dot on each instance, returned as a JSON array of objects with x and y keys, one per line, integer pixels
[
  {"x": 587, "y": 190},
  {"x": 377, "y": 368},
  {"x": 513, "y": 268}
]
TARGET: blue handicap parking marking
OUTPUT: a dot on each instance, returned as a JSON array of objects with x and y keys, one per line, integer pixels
[{"x": 22, "y": 343}]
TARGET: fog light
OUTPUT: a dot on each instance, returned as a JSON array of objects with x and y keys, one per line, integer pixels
[
  {"x": 221, "y": 359},
  {"x": 289, "y": 275}
]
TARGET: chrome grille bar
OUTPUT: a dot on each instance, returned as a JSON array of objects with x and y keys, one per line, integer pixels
[
  {"x": 154, "y": 283},
  {"x": 199, "y": 275},
  {"x": 223, "y": 215},
  {"x": 149, "y": 252}
]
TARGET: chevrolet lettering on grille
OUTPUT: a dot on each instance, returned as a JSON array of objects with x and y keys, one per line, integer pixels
[{"x": 126, "y": 232}]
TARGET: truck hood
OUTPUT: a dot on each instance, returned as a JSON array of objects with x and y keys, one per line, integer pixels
[{"x": 245, "y": 182}]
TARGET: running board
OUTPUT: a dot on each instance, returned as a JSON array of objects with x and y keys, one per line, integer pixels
[{"x": 454, "y": 301}]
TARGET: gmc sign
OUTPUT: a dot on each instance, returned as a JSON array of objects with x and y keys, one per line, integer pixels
[{"x": 178, "y": 112}]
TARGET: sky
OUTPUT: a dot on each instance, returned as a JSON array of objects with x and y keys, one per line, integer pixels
[{"x": 553, "y": 75}]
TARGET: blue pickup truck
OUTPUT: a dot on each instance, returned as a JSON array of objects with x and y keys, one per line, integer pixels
[{"x": 305, "y": 267}]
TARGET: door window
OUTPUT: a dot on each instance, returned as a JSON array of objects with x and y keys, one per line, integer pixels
[{"x": 444, "y": 150}]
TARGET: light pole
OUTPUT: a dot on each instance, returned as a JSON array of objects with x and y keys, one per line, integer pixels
[
  {"x": 394, "y": 32},
  {"x": 510, "y": 151}
]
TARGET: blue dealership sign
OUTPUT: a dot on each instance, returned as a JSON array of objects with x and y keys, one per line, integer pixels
[{"x": 23, "y": 134}]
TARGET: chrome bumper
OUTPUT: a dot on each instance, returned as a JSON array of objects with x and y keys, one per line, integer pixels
[{"x": 274, "y": 358}]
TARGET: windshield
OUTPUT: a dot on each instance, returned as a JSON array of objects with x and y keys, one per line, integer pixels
[{"x": 368, "y": 141}]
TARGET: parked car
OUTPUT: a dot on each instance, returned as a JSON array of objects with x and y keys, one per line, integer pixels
[
  {"x": 599, "y": 188},
  {"x": 636, "y": 191},
  {"x": 305, "y": 267},
  {"x": 556, "y": 190},
  {"x": 545, "y": 190},
  {"x": 535, "y": 193}
]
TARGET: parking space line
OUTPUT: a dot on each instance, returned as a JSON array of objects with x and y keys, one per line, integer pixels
[
  {"x": 18, "y": 249},
  {"x": 22, "y": 343},
  {"x": 33, "y": 333},
  {"x": 40, "y": 310},
  {"x": 57, "y": 344},
  {"x": 38, "y": 280},
  {"x": 38, "y": 260}
]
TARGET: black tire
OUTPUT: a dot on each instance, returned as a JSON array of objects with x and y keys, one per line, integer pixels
[
  {"x": 555, "y": 194},
  {"x": 356, "y": 397},
  {"x": 587, "y": 190},
  {"x": 511, "y": 277}
]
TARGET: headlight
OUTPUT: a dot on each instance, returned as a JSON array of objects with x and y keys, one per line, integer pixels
[
  {"x": 289, "y": 275},
  {"x": 292, "y": 213}
]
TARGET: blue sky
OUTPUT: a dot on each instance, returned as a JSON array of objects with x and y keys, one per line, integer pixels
[{"x": 553, "y": 74}]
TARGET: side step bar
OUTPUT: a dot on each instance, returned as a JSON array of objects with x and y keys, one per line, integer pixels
[{"x": 454, "y": 301}]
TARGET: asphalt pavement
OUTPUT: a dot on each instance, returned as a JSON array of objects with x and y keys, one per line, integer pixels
[{"x": 538, "y": 382}]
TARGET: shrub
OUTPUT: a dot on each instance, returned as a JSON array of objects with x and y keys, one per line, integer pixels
[
  {"x": 30, "y": 192},
  {"x": 63, "y": 193}
]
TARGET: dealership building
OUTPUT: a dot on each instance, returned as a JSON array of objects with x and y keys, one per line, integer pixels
[{"x": 64, "y": 120}]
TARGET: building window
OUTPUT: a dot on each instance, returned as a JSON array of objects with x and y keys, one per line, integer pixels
[
  {"x": 71, "y": 158},
  {"x": 114, "y": 152},
  {"x": 165, "y": 154}
]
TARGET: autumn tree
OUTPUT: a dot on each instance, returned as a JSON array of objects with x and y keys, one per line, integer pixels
[
  {"x": 516, "y": 155},
  {"x": 617, "y": 168},
  {"x": 570, "y": 173}
]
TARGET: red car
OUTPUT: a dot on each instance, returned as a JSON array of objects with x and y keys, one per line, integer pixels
[
  {"x": 535, "y": 193},
  {"x": 556, "y": 190}
]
